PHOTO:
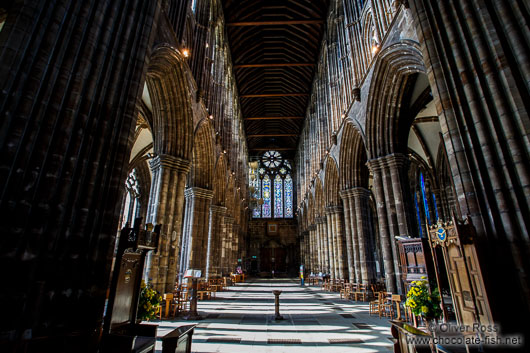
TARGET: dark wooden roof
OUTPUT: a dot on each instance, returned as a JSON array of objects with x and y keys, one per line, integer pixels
[{"x": 274, "y": 45}]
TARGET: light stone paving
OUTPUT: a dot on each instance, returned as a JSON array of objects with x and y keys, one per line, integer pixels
[{"x": 246, "y": 312}]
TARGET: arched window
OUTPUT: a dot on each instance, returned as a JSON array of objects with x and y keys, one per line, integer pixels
[
  {"x": 272, "y": 187},
  {"x": 278, "y": 196},
  {"x": 288, "y": 187},
  {"x": 266, "y": 193}
]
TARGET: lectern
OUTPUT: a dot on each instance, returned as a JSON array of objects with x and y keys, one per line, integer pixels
[{"x": 121, "y": 333}]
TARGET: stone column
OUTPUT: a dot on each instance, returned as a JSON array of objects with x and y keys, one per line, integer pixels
[
  {"x": 361, "y": 198},
  {"x": 323, "y": 235},
  {"x": 348, "y": 234},
  {"x": 332, "y": 246},
  {"x": 215, "y": 236},
  {"x": 397, "y": 165},
  {"x": 227, "y": 245},
  {"x": 236, "y": 234},
  {"x": 335, "y": 223},
  {"x": 68, "y": 123},
  {"x": 314, "y": 251},
  {"x": 195, "y": 232},
  {"x": 166, "y": 202},
  {"x": 384, "y": 232}
]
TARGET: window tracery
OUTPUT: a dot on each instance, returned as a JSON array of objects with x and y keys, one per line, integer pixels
[{"x": 273, "y": 185}]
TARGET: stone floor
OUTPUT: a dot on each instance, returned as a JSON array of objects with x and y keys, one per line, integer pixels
[{"x": 241, "y": 319}]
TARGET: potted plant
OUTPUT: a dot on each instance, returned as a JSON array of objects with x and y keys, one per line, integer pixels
[
  {"x": 149, "y": 303},
  {"x": 423, "y": 302}
]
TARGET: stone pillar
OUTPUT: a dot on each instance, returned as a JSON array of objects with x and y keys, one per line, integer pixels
[
  {"x": 236, "y": 234},
  {"x": 215, "y": 236},
  {"x": 195, "y": 232},
  {"x": 166, "y": 203},
  {"x": 314, "y": 251},
  {"x": 227, "y": 245},
  {"x": 350, "y": 257},
  {"x": 323, "y": 235},
  {"x": 68, "y": 121},
  {"x": 361, "y": 198},
  {"x": 332, "y": 246},
  {"x": 398, "y": 165},
  {"x": 335, "y": 224},
  {"x": 384, "y": 233}
]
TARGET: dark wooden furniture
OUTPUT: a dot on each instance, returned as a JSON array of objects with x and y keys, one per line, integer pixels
[
  {"x": 455, "y": 256},
  {"x": 416, "y": 259},
  {"x": 121, "y": 333},
  {"x": 178, "y": 340}
]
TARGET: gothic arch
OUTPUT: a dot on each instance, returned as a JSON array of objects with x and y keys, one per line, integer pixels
[
  {"x": 331, "y": 183},
  {"x": 393, "y": 69},
  {"x": 219, "y": 183},
  {"x": 202, "y": 168},
  {"x": 167, "y": 81},
  {"x": 352, "y": 158}
]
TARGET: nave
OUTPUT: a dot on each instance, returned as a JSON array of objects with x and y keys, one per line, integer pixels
[{"x": 241, "y": 319}]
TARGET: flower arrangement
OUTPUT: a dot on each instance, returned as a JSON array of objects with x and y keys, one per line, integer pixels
[
  {"x": 423, "y": 303},
  {"x": 149, "y": 302}
]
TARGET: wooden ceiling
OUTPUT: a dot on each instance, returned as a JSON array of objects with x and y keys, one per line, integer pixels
[{"x": 274, "y": 46}]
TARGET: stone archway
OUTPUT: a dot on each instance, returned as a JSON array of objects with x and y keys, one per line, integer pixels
[{"x": 167, "y": 81}]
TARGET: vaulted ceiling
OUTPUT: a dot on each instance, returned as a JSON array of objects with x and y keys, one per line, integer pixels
[{"x": 274, "y": 46}]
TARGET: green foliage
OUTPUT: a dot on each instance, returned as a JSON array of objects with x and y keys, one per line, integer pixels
[
  {"x": 423, "y": 303},
  {"x": 149, "y": 302}
]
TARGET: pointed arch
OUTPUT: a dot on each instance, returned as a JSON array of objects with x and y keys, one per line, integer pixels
[
  {"x": 331, "y": 183},
  {"x": 167, "y": 81},
  {"x": 202, "y": 166},
  {"x": 352, "y": 158},
  {"x": 394, "y": 68}
]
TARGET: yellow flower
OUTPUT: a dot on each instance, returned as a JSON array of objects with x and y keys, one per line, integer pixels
[{"x": 424, "y": 309}]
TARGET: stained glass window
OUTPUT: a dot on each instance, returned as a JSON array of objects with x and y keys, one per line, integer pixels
[
  {"x": 425, "y": 202},
  {"x": 255, "y": 190},
  {"x": 273, "y": 187},
  {"x": 266, "y": 194},
  {"x": 418, "y": 214},
  {"x": 272, "y": 159},
  {"x": 435, "y": 208},
  {"x": 288, "y": 197},
  {"x": 278, "y": 196}
]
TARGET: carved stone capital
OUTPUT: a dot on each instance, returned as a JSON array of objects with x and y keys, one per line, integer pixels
[
  {"x": 198, "y": 193},
  {"x": 170, "y": 162},
  {"x": 320, "y": 220},
  {"x": 332, "y": 209},
  {"x": 218, "y": 209}
]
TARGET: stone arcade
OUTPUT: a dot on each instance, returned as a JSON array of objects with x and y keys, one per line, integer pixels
[{"x": 262, "y": 135}]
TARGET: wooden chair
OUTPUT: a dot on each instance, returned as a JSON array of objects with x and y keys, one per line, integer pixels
[
  {"x": 375, "y": 304},
  {"x": 396, "y": 299},
  {"x": 345, "y": 292},
  {"x": 361, "y": 292},
  {"x": 386, "y": 307}
]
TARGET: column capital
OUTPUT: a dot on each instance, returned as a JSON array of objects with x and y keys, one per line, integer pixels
[
  {"x": 332, "y": 209},
  {"x": 229, "y": 220},
  {"x": 198, "y": 193},
  {"x": 391, "y": 160},
  {"x": 354, "y": 192},
  {"x": 170, "y": 162},
  {"x": 218, "y": 209},
  {"x": 320, "y": 220}
]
